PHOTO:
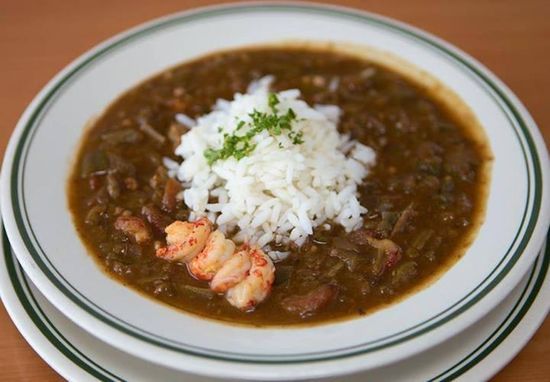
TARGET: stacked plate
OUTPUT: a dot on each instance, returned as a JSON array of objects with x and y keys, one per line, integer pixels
[{"x": 467, "y": 324}]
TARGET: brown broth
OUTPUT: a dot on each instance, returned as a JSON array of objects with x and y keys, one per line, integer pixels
[{"x": 430, "y": 161}]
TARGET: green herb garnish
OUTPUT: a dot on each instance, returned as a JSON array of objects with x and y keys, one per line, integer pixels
[{"x": 239, "y": 144}]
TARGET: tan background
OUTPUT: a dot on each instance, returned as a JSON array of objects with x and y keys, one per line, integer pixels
[{"x": 38, "y": 38}]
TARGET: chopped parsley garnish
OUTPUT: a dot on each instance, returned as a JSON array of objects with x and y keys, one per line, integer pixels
[{"x": 239, "y": 144}]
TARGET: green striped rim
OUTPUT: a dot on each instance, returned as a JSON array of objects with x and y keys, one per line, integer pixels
[
  {"x": 28, "y": 300},
  {"x": 532, "y": 203},
  {"x": 43, "y": 323},
  {"x": 520, "y": 309}
]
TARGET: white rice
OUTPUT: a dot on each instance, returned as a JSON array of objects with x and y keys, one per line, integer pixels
[
  {"x": 185, "y": 120},
  {"x": 281, "y": 191}
]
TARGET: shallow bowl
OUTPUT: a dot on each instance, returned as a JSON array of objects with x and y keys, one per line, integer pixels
[{"x": 41, "y": 150}]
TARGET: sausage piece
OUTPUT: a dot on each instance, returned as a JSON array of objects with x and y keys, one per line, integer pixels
[{"x": 305, "y": 305}]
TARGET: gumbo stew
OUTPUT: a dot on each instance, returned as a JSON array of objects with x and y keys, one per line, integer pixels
[{"x": 424, "y": 196}]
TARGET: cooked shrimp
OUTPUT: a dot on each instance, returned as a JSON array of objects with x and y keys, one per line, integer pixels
[
  {"x": 133, "y": 227},
  {"x": 255, "y": 287},
  {"x": 232, "y": 272},
  {"x": 185, "y": 240},
  {"x": 245, "y": 276},
  {"x": 392, "y": 251},
  {"x": 216, "y": 252}
]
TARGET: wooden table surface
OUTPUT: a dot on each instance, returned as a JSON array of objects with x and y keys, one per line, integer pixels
[{"x": 38, "y": 38}]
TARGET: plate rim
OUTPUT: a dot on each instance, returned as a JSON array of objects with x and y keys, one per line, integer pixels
[
  {"x": 461, "y": 56},
  {"x": 17, "y": 285}
]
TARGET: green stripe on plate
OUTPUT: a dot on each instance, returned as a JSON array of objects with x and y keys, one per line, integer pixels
[
  {"x": 55, "y": 337},
  {"x": 509, "y": 259},
  {"x": 521, "y": 307},
  {"x": 43, "y": 323}
]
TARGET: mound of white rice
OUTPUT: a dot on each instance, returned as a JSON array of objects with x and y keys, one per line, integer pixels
[{"x": 281, "y": 190}]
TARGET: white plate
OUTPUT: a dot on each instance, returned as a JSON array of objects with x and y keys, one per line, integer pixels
[
  {"x": 477, "y": 354},
  {"x": 40, "y": 229}
]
